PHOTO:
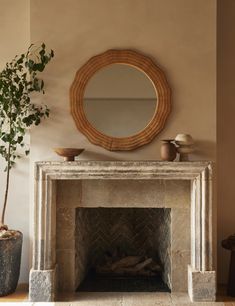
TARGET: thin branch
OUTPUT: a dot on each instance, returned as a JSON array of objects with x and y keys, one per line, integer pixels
[
  {"x": 7, "y": 186},
  {"x": 17, "y": 81},
  {"x": 8, "y": 176}
]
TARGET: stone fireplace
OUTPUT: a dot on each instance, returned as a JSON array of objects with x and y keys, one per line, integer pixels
[{"x": 86, "y": 209}]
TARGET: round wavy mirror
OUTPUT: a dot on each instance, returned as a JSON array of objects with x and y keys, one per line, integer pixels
[{"x": 120, "y": 99}]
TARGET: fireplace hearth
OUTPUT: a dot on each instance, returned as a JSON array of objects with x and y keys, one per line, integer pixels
[{"x": 81, "y": 206}]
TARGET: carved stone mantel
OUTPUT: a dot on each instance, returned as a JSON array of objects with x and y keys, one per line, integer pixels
[{"x": 201, "y": 271}]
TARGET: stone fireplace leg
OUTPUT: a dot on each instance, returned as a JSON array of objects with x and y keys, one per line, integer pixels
[
  {"x": 201, "y": 275},
  {"x": 42, "y": 285},
  {"x": 42, "y": 279},
  {"x": 201, "y": 285}
]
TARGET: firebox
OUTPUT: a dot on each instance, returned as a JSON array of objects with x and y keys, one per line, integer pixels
[{"x": 123, "y": 249}]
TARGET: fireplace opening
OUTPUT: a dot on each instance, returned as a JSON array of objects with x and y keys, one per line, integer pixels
[{"x": 123, "y": 249}]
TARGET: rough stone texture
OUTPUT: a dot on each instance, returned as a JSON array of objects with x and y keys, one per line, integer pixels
[
  {"x": 123, "y": 170},
  {"x": 64, "y": 196},
  {"x": 179, "y": 262},
  {"x": 65, "y": 228},
  {"x": 65, "y": 247},
  {"x": 200, "y": 173},
  {"x": 110, "y": 193},
  {"x": 10, "y": 258},
  {"x": 163, "y": 243},
  {"x": 146, "y": 299},
  {"x": 202, "y": 285},
  {"x": 66, "y": 270},
  {"x": 122, "y": 193},
  {"x": 180, "y": 224},
  {"x": 177, "y": 193},
  {"x": 89, "y": 238},
  {"x": 42, "y": 286},
  {"x": 65, "y": 232},
  {"x": 180, "y": 248},
  {"x": 82, "y": 244},
  {"x": 98, "y": 193},
  {"x": 135, "y": 299}
]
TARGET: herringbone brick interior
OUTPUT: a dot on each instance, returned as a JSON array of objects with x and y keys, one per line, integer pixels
[{"x": 131, "y": 231}]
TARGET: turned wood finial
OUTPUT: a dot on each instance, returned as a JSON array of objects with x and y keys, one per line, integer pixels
[{"x": 229, "y": 244}]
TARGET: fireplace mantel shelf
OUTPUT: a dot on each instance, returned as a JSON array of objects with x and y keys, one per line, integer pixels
[
  {"x": 122, "y": 170},
  {"x": 201, "y": 271}
]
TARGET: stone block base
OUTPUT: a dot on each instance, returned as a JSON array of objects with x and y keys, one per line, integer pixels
[
  {"x": 42, "y": 285},
  {"x": 201, "y": 285}
]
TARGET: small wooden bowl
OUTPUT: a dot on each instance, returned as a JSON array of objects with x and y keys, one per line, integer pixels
[{"x": 68, "y": 153}]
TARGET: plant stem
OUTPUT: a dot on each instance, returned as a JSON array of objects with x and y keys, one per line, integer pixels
[
  {"x": 8, "y": 176},
  {"x": 7, "y": 186}
]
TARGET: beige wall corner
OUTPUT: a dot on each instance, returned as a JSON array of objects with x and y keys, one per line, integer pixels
[
  {"x": 225, "y": 129},
  {"x": 14, "y": 33},
  {"x": 179, "y": 35}
]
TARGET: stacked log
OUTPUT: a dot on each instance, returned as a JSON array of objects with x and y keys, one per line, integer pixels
[{"x": 129, "y": 266}]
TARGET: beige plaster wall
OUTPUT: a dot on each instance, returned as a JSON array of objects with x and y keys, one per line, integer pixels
[
  {"x": 179, "y": 34},
  {"x": 225, "y": 128},
  {"x": 14, "y": 35}
]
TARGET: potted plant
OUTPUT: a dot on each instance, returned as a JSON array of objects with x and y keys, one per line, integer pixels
[{"x": 18, "y": 80}]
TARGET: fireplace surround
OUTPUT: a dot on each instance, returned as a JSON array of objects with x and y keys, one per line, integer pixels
[{"x": 154, "y": 181}]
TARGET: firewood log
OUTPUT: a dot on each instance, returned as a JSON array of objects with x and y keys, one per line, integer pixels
[
  {"x": 126, "y": 262},
  {"x": 134, "y": 270},
  {"x": 153, "y": 266},
  {"x": 143, "y": 264}
]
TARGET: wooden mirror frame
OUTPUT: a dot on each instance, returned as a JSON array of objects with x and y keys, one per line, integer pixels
[{"x": 139, "y": 61}]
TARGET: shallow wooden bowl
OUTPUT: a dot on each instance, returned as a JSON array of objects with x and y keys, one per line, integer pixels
[{"x": 68, "y": 153}]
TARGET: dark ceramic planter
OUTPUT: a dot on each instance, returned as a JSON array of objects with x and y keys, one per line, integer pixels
[
  {"x": 168, "y": 150},
  {"x": 10, "y": 257}
]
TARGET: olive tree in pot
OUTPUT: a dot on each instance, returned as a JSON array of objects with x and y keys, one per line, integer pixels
[{"x": 18, "y": 80}]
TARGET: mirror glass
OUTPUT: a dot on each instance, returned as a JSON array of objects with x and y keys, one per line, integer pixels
[{"x": 119, "y": 100}]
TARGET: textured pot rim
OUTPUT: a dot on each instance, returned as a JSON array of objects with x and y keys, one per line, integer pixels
[{"x": 15, "y": 237}]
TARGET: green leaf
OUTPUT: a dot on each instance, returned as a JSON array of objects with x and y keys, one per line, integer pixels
[
  {"x": 20, "y": 139},
  {"x": 18, "y": 79}
]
